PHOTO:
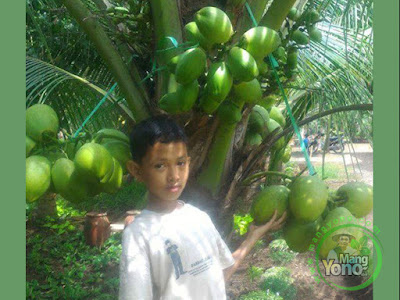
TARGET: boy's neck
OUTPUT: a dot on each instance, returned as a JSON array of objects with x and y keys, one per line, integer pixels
[{"x": 162, "y": 206}]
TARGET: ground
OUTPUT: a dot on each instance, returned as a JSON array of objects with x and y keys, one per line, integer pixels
[{"x": 303, "y": 281}]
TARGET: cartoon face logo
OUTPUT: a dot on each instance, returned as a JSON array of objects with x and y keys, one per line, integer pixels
[{"x": 343, "y": 240}]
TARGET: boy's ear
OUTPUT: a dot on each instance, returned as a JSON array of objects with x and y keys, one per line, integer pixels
[{"x": 134, "y": 169}]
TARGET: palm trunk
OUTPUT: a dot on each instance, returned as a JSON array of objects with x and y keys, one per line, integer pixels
[
  {"x": 210, "y": 177},
  {"x": 129, "y": 87},
  {"x": 166, "y": 22},
  {"x": 277, "y": 13}
]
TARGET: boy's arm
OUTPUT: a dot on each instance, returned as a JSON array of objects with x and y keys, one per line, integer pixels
[
  {"x": 255, "y": 233},
  {"x": 135, "y": 271}
]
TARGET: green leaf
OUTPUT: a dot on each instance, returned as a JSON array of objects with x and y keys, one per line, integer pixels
[
  {"x": 354, "y": 244},
  {"x": 365, "y": 251},
  {"x": 363, "y": 241}
]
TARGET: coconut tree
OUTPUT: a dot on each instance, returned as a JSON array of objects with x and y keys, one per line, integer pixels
[{"x": 333, "y": 78}]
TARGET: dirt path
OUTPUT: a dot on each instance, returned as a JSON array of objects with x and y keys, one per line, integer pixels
[{"x": 360, "y": 160}]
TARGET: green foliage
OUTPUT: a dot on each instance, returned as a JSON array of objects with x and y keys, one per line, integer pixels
[
  {"x": 61, "y": 265},
  {"x": 279, "y": 280},
  {"x": 130, "y": 196},
  {"x": 332, "y": 171},
  {"x": 260, "y": 295},
  {"x": 280, "y": 252},
  {"x": 259, "y": 245},
  {"x": 277, "y": 234},
  {"x": 255, "y": 272},
  {"x": 241, "y": 223}
]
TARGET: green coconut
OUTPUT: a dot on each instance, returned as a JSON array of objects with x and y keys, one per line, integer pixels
[
  {"x": 214, "y": 24},
  {"x": 268, "y": 102},
  {"x": 308, "y": 198},
  {"x": 94, "y": 161},
  {"x": 258, "y": 120},
  {"x": 315, "y": 34},
  {"x": 229, "y": 113},
  {"x": 271, "y": 126},
  {"x": 287, "y": 153},
  {"x": 120, "y": 151},
  {"x": 67, "y": 181},
  {"x": 300, "y": 37},
  {"x": 299, "y": 236},
  {"x": 170, "y": 103},
  {"x": 41, "y": 123},
  {"x": 187, "y": 95},
  {"x": 114, "y": 183},
  {"x": 253, "y": 139},
  {"x": 280, "y": 53},
  {"x": 291, "y": 61},
  {"x": 219, "y": 82},
  {"x": 359, "y": 198},
  {"x": 262, "y": 67},
  {"x": 171, "y": 65},
  {"x": 337, "y": 217},
  {"x": 241, "y": 64},
  {"x": 37, "y": 177},
  {"x": 271, "y": 198},
  {"x": 293, "y": 14},
  {"x": 275, "y": 114},
  {"x": 193, "y": 34},
  {"x": 249, "y": 92},
  {"x": 260, "y": 41},
  {"x": 29, "y": 145},
  {"x": 112, "y": 134},
  {"x": 208, "y": 104},
  {"x": 190, "y": 66}
]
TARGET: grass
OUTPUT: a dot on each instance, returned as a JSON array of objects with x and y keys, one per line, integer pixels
[
  {"x": 335, "y": 171},
  {"x": 278, "y": 280},
  {"x": 254, "y": 272},
  {"x": 260, "y": 295},
  {"x": 59, "y": 264},
  {"x": 280, "y": 252}
]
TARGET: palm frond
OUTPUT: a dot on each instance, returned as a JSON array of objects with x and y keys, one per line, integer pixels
[
  {"x": 74, "y": 97},
  {"x": 337, "y": 71}
]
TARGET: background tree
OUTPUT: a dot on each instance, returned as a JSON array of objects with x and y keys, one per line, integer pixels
[{"x": 77, "y": 51}]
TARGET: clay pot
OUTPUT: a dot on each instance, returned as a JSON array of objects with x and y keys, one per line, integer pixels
[
  {"x": 130, "y": 216},
  {"x": 96, "y": 229}
]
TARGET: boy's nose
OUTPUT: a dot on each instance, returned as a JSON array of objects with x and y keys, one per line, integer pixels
[{"x": 173, "y": 175}]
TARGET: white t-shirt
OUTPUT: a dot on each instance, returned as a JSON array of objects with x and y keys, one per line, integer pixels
[{"x": 177, "y": 255}]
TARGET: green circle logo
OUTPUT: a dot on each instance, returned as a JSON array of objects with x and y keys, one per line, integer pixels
[{"x": 350, "y": 256}]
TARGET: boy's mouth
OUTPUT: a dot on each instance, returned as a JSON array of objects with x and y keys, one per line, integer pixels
[{"x": 174, "y": 188}]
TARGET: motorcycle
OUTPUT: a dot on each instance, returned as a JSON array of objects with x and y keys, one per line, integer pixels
[{"x": 336, "y": 144}]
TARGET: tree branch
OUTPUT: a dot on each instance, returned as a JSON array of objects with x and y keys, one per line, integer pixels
[
  {"x": 129, "y": 87},
  {"x": 255, "y": 155}
]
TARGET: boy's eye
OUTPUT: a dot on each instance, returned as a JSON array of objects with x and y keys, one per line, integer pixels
[
  {"x": 181, "y": 163},
  {"x": 159, "y": 166}
]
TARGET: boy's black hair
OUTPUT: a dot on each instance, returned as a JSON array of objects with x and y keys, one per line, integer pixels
[{"x": 160, "y": 128}]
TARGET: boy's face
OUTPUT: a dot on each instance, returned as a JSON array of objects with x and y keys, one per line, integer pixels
[{"x": 164, "y": 170}]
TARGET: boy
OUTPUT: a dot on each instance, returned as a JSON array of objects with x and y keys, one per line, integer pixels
[{"x": 172, "y": 249}]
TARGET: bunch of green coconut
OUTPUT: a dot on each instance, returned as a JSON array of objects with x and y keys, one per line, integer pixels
[
  {"x": 310, "y": 206},
  {"x": 302, "y": 30},
  {"x": 75, "y": 168},
  {"x": 217, "y": 76}
]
